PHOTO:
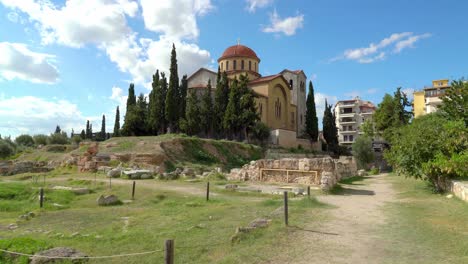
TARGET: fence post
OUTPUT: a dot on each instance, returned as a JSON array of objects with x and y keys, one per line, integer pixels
[
  {"x": 133, "y": 190},
  {"x": 308, "y": 191},
  {"x": 44, "y": 180},
  {"x": 41, "y": 197},
  {"x": 208, "y": 191},
  {"x": 169, "y": 251},
  {"x": 286, "y": 208},
  {"x": 110, "y": 182}
]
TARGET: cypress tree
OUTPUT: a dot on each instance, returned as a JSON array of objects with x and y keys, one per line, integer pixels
[
  {"x": 249, "y": 114},
  {"x": 172, "y": 97},
  {"x": 83, "y": 134},
  {"x": 163, "y": 95},
  {"x": 88, "y": 131},
  {"x": 58, "y": 130},
  {"x": 128, "y": 126},
  {"x": 311, "y": 120},
  {"x": 117, "y": 123},
  {"x": 231, "y": 116},
  {"x": 191, "y": 123},
  {"x": 206, "y": 111},
  {"x": 183, "y": 95},
  {"x": 220, "y": 102},
  {"x": 141, "y": 114},
  {"x": 330, "y": 132},
  {"x": 103, "y": 128},
  {"x": 154, "y": 106}
]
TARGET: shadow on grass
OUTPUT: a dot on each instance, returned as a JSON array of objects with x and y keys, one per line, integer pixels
[
  {"x": 312, "y": 231},
  {"x": 353, "y": 180},
  {"x": 340, "y": 190}
]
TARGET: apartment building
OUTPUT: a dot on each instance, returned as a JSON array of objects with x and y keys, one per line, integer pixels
[
  {"x": 428, "y": 99},
  {"x": 350, "y": 115}
]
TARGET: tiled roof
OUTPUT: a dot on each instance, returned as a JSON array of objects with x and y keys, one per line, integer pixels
[{"x": 238, "y": 51}]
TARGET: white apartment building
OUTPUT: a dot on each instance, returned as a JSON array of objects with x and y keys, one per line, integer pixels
[{"x": 350, "y": 115}]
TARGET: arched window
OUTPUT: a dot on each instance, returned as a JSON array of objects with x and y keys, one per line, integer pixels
[
  {"x": 227, "y": 65},
  {"x": 235, "y": 65},
  {"x": 255, "y": 67},
  {"x": 260, "y": 109},
  {"x": 290, "y": 82},
  {"x": 242, "y": 64},
  {"x": 250, "y": 65},
  {"x": 221, "y": 66}
]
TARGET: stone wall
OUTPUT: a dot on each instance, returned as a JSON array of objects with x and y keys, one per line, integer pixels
[
  {"x": 460, "y": 189},
  {"x": 325, "y": 172},
  {"x": 15, "y": 167}
]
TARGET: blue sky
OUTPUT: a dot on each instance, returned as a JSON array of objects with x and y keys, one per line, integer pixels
[{"x": 65, "y": 62}]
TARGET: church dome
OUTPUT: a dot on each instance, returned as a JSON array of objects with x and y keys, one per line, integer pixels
[{"x": 239, "y": 51}]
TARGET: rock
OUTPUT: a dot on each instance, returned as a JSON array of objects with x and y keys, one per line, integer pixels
[
  {"x": 104, "y": 169},
  {"x": 54, "y": 254},
  {"x": 231, "y": 186},
  {"x": 205, "y": 174},
  {"x": 218, "y": 170},
  {"x": 24, "y": 217},
  {"x": 145, "y": 176},
  {"x": 77, "y": 190},
  {"x": 298, "y": 190},
  {"x": 361, "y": 173},
  {"x": 75, "y": 234},
  {"x": 108, "y": 200},
  {"x": 328, "y": 181},
  {"x": 136, "y": 174},
  {"x": 188, "y": 172},
  {"x": 114, "y": 173},
  {"x": 261, "y": 222},
  {"x": 12, "y": 226},
  {"x": 31, "y": 214},
  {"x": 450, "y": 196}
]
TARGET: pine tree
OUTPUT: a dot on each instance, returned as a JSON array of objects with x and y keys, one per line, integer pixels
[
  {"x": 154, "y": 106},
  {"x": 191, "y": 123},
  {"x": 220, "y": 103},
  {"x": 231, "y": 122},
  {"x": 183, "y": 95},
  {"x": 172, "y": 97},
  {"x": 311, "y": 120},
  {"x": 128, "y": 126},
  {"x": 206, "y": 111},
  {"x": 102, "y": 135},
  {"x": 248, "y": 115},
  {"x": 117, "y": 123}
]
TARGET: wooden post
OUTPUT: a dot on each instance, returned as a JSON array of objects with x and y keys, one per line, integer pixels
[
  {"x": 41, "y": 197},
  {"x": 110, "y": 182},
  {"x": 169, "y": 252},
  {"x": 208, "y": 191},
  {"x": 308, "y": 191},
  {"x": 286, "y": 208},
  {"x": 133, "y": 190}
]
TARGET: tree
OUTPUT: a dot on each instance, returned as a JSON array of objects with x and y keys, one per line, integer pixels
[
  {"x": 141, "y": 116},
  {"x": 311, "y": 120},
  {"x": 455, "y": 101},
  {"x": 117, "y": 123},
  {"x": 83, "y": 134},
  {"x": 163, "y": 95},
  {"x": 206, "y": 111},
  {"x": 40, "y": 139},
  {"x": 248, "y": 115},
  {"x": 231, "y": 121},
  {"x": 102, "y": 134},
  {"x": 129, "y": 119},
  {"x": 368, "y": 128},
  {"x": 431, "y": 148},
  {"x": 363, "y": 152},
  {"x": 58, "y": 138},
  {"x": 172, "y": 96},
  {"x": 220, "y": 102},
  {"x": 183, "y": 95},
  {"x": 191, "y": 123},
  {"x": 89, "y": 133},
  {"x": 330, "y": 132},
  {"x": 156, "y": 106},
  {"x": 260, "y": 132},
  {"x": 58, "y": 130},
  {"x": 24, "y": 140},
  {"x": 5, "y": 149}
]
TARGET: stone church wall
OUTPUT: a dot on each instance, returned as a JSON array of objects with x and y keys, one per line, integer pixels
[{"x": 325, "y": 172}]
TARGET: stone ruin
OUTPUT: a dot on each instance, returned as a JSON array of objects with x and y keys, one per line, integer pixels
[{"x": 324, "y": 172}]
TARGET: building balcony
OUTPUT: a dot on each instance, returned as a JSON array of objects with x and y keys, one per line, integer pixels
[
  {"x": 347, "y": 122},
  {"x": 347, "y": 131},
  {"x": 342, "y": 114},
  {"x": 367, "y": 113}
]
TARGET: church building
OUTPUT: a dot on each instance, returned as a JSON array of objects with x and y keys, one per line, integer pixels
[{"x": 281, "y": 98}]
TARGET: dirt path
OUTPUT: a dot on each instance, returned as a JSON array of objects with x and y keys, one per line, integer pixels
[{"x": 350, "y": 234}]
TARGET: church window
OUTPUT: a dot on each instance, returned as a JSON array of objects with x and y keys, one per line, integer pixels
[
  {"x": 227, "y": 65},
  {"x": 255, "y": 67},
  {"x": 291, "y": 83},
  {"x": 250, "y": 65},
  {"x": 242, "y": 64},
  {"x": 292, "y": 118},
  {"x": 301, "y": 119},
  {"x": 278, "y": 108},
  {"x": 261, "y": 109},
  {"x": 235, "y": 65},
  {"x": 221, "y": 66}
]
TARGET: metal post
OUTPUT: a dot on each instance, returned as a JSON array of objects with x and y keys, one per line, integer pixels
[
  {"x": 133, "y": 190},
  {"x": 169, "y": 251},
  {"x": 208, "y": 191},
  {"x": 41, "y": 198},
  {"x": 308, "y": 191},
  {"x": 286, "y": 208}
]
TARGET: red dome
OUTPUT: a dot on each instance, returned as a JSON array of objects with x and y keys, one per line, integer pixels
[{"x": 238, "y": 51}]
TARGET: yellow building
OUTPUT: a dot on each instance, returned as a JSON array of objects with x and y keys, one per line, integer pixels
[
  {"x": 281, "y": 97},
  {"x": 427, "y": 100}
]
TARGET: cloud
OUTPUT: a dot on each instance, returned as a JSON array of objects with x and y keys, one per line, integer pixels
[
  {"x": 17, "y": 61},
  {"x": 287, "y": 26},
  {"x": 177, "y": 19},
  {"x": 376, "y": 52},
  {"x": 13, "y": 17},
  {"x": 252, "y": 5},
  {"x": 106, "y": 27},
  {"x": 372, "y": 90},
  {"x": 34, "y": 115},
  {"x": 320, "y": 104}
]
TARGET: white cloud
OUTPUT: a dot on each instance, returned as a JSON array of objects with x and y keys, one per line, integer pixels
[
  {"x": 13, "y": 17},
  {"x": 252, "y": 5},
  {"x": 287, "y": 26},
  {"x": 17, "y": 61},
  {"x": 175, "y": 18},
  {"x": 375, "y": 52},
  {"x": 34, "y": 115},
  {"x": 409, "y": 43},
  {"x": 320, "y": 104}
]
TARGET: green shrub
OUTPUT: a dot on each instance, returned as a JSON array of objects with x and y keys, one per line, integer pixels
[
  {"x": 25, "y": 140},
  {"x": 363, "y": 152},
  {"x": 5, "y": 149},
  {"x": 40, "y": 139},
  {"x": 260, "y": 132},
  {"x": 374, "y": 171},
  {"x": 56, "y": 148},
  {"x": 23, "y": 245},
  {"x": 58, "y": 138}
]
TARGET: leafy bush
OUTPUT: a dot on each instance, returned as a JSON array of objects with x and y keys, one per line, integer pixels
[
  {"x": 431, "y": 148},
  {"x": 58, "y": 138},
  {"x": 363, "y": 152},
  {"x": 25, "y": 140},
  {"x": 260, "y": 132},
  {"x": 40, "y": 139},
  {"x": 374, "y": 171},
  {"x": 56, "y": 148},
  {"x": 5, "y": 149},
  {"x": 76, "y": 139}
]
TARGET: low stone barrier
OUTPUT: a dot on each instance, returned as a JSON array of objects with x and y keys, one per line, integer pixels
[
  {"x": 323, "y": 171},
  {"x": 460, "y": 189}
]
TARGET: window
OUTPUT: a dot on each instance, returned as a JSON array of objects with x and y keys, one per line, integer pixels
[
  {"x": 292, "y": 118},
  {"x": 255, "y": 67},
  {"x": 351, "y": 138},
  {"x": 235, "y": 65},
  {"x": 250, "y": 65},
  {"x": 345, "y": 138},
  {"x": 221, "y": 66},
  {"x": 260, "y": 109},
  {"x": 291, "y": 83},
  {"x": 278, "y": 108},
  {"x": 242, "y": 64},
  {"x": 301, "y": 119},
  {"x": 227, "y": 65}
]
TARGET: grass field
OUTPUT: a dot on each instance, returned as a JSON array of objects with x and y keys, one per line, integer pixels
[{"x": 162, "y": 210}]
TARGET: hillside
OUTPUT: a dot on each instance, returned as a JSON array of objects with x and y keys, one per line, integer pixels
[{"x": 167, "y": 151}]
